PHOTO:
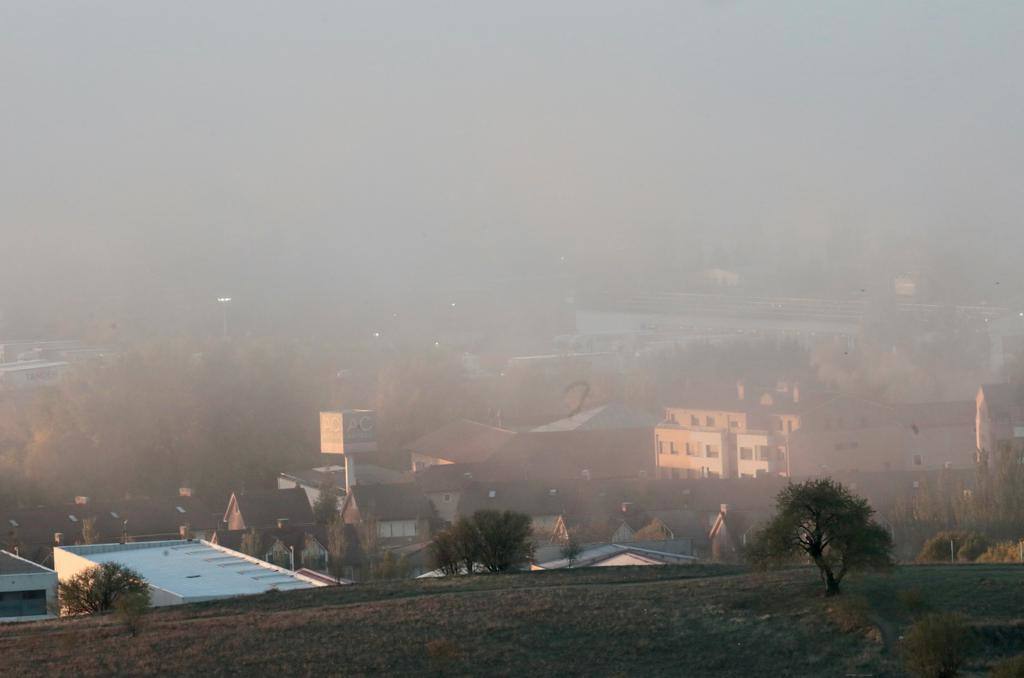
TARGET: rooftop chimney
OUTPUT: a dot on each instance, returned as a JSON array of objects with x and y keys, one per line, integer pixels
[
  {"x": 81, "y": 501},
  {"x": 58, "y": 538},
  {"x": 184, "y": 491},
  {"x": 282, "y": 523},
  {"x": 723, "y": 509},
  {"x": 741, "y": 391},
  {"x": 183, "y": 531}
]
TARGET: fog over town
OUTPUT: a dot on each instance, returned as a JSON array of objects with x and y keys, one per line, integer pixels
[{"x": 368, "y": 299}]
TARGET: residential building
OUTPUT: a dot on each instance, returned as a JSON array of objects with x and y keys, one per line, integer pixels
[
  {"x": 728, "y": 435},
  {"x": 390, "y": 515},
  {"x": 461, "y": 441},
  {"x": 34, "y": 531},
  {"x": 285, "y": 545},
  {"x": 266, "y": 508},
  {"x": 184, "y": 570},
  {"x": 311, "y": 480},
  {"x": 28, "y": 591},
  {"x": 545, "y": 503}
]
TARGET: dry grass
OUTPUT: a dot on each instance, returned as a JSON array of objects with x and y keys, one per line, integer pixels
[{"x": 615, "y": 621}]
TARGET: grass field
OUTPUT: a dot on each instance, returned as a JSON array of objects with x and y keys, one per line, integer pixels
[{"x": 688, "y": 620}]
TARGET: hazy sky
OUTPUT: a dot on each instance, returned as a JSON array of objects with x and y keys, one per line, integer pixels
[{"x": 322, "y": 143}]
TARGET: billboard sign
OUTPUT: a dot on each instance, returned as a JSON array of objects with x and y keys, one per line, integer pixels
[{"x": 348, "y": 431}]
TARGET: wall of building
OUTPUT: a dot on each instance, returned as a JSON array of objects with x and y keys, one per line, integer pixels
[
  {"x": 35, "y": 581},
  {"x": 696, "y": 462}
]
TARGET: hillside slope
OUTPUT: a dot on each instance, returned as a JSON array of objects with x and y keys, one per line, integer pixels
[{"x": 693, "y": 621}]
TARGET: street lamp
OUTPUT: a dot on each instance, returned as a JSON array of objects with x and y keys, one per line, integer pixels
[{"x": 224, "y": 301}]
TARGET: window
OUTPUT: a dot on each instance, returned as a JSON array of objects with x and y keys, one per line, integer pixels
[
  {"x": 492, "y": 494},
  {"x": 672, "y": 417},
  {"x": 789, "y": 426},
  {"x": 661, "y": 447},
  {"x": 180, "y": 510},
  {"x": 918, "y": 461},
  {"x": 672, "y": 448},
  {"x": 746, "y": 454},
  {"x": 711, "y": 450},
  {"x": 709, "y": 420},
  {"x": 694, "y": 420},
  {"x": 675, "y": 474},
  {"x": 782, "y": 454},
  {"x": 113, "y": 514},
  {"x": 13, "y": 522},
  {"x": 778, "y": 424},
  {"x": 733, "y": 423},
  {"x": 447, "y": 498},
  {"x": 73, "y": 518},
  {"x": 691, "y": 450},
  {"x": 22, "y": 603},
  {"x": 762, "y": 453},
  {"x": 396, "y": 528}
]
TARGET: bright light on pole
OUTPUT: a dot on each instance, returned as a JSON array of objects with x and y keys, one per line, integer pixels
[{"x": 224, "y": 301}]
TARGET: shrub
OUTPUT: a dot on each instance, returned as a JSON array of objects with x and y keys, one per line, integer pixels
[
  {"x": 1003, "y": 552},
  {"x": 504, "y": 539},
  {"x": 851, "y": 614},
  {"x": 99, "y": 588},
  {"x": 973, "y": 545},
  {"x": 131, "y": 608},
  {"x": 913, "y": 601},
  {"x": 937, "y": 646},
  {"x": 1009, "y": 668},
  {"x": 967, "y": 546}
]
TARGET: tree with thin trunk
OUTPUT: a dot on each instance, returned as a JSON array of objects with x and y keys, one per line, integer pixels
[
  {"x": 824, "y": 522},
  {"x": 99, "y": 588}
]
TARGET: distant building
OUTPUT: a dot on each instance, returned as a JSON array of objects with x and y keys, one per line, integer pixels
[
  {"x": 729, "y": 435},
  {"x": 613, "y": 416},
  {"x": 311, "y": 480},
  {"x": 999, "y": 416},
  {"x": 392, "y": 514},
  {"x": 28, "y": 591},
  {"x": 184, "y": 571},
  {"x": 35, "y": 531},
  {"x": 285, "y": 545},
  {"x": 267, "y": 508},
  {"x": 30, "y": 373},
  {"x": 461, "y": 441},
  {"x": 1006, "y": 343}
]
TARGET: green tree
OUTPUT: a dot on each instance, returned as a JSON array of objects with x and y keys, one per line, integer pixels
[
  {"x": 99, "y": 588},
  {"x": 821, "y": 520},
  {"x": 504, "y": 539},
  {"x": 325, "y": 508}
]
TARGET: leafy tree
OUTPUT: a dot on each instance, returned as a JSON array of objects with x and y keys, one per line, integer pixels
[
  {"x": 468, "y": 544},
  {"x": 444, "y": 553},
  {"x": 822, "y": 520},
  {"x": 90, "y": 535},
  {"x": 504, "y": 539},
  {"x": 99, "y": 588},
  {"x": 325, "y": 509},
  {"x": 571, "y": 550},
  {"x": 250, "y": 544}
]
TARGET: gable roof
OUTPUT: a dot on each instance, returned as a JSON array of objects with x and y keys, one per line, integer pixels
[
  {"x": 143, "y": 518},
  {"x": 531, "y": 498},
  {"x": 605, "y": 417},
  {"x": 12, "y": 564},
  {"x": 594, "y": 556},
  {"x": 366, "y": 474},
  {"x": 395, "y": 501},
  {"x": 262, "y": 508},
  {"x": 460, "y": 441},
  {"x": 618, "y": 453}
]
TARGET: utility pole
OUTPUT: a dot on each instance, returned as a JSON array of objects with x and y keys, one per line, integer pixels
[{"x": 224, "y": 301}]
